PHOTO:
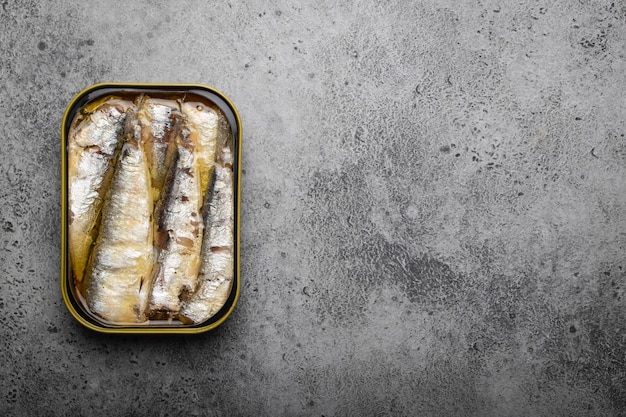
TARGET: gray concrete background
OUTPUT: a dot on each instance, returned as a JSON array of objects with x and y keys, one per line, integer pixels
[{"x": 434, "y": 208}]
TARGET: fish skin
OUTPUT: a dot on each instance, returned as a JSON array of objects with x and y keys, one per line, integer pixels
[
  {"x": 179, "y": 229},
  {"x": 217, "y": 268},
  {"x": 224, "y": 130},
  {"x": 116, "y": 285},
  {"x": 93, "y": 145},
  {"x": 160, "y": 122},
  {"x": 203, "y": 123}
]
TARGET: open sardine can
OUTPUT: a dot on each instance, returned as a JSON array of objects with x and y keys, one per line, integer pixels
[{"x": 150, "y": 212}]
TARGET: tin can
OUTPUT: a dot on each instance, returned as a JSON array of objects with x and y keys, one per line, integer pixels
[{"x": 150, "y": 209}]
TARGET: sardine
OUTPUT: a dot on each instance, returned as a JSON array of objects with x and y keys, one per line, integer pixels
[
  {"x": 217, "y": 268},
  {"x": 160, "y": 122},
  {"x": 93, "y": 144},
  {"x": 179, "y": 231},
  {"x": 203, "y": 128},
  {"x": 117, "y": 285}
]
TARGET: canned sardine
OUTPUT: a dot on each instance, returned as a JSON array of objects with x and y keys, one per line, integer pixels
[{"x": 150, "y": 188}]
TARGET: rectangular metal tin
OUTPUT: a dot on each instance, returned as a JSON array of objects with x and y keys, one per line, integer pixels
[{"x": 102, "y": 90}]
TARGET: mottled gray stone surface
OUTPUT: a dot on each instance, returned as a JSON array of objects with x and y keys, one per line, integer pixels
[{"x": 434, "y": 208}]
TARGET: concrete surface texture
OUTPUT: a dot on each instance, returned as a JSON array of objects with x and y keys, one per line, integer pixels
[{"x": 433, "y": 210}]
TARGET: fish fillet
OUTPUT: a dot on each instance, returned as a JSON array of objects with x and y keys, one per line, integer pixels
[
  {"x": 117, "y": 284},
  {"x": 160, "y": 122},
  {"x": 179, "y": 229},
  {"x": 203, "y": 123},
  {"x": 217, "y": 268},
  {"x": 93, "y": 144}
]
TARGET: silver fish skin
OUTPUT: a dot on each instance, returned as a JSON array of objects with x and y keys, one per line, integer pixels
[
  {"x": 116, "y": 286},
  {"x": 160, "y": 122},
  {"x": 93, "y": 145},
  {"x": 217, "y": 268},
  {"x": 179, "y": 229},
  {"x": 203, "y": 123}
]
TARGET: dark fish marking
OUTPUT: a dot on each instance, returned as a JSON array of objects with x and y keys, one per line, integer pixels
[
  {"x": 183, "y": 319},
  {"x": 185, "y": 241},
  {"x": 160, "y": 314},
  {"x": 93, "y": 149},
  {"x": 218, "y": 249},
  {"x": 166, "y": 193},
  {"x": 185, "y": 294},
  {"x": 208, "y": 198},
  {"x": 161, "y": 239}
]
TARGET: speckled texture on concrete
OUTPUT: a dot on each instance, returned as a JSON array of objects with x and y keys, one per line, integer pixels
[{"x": 434, "y": 208}]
